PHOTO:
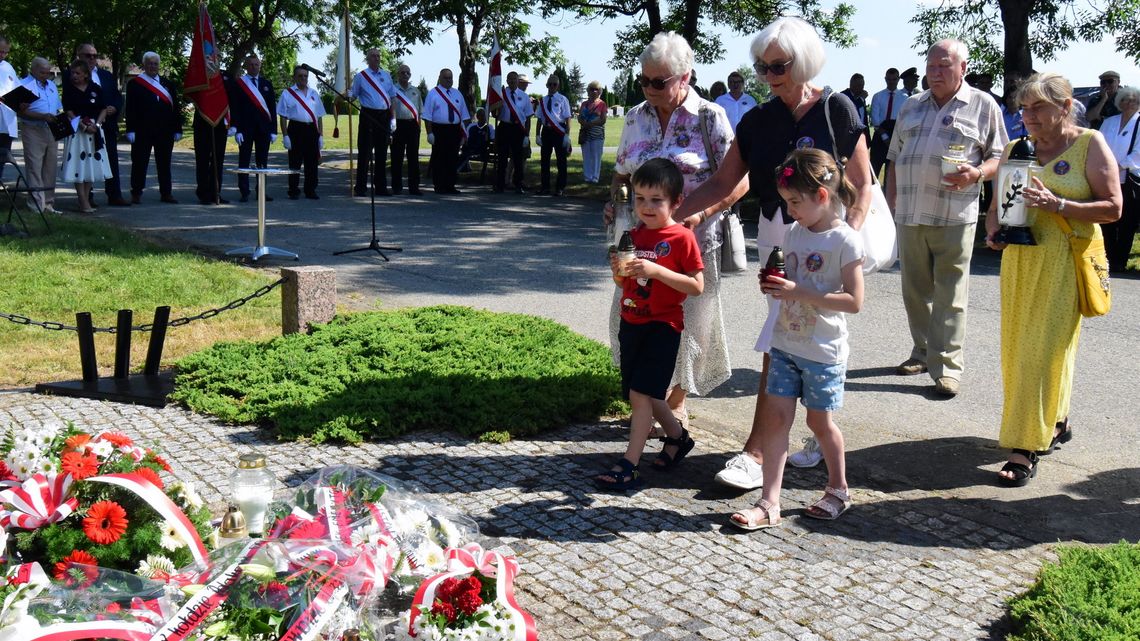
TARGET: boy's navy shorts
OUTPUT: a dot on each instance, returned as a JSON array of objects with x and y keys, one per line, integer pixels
[{"x": 648, "y": 355}]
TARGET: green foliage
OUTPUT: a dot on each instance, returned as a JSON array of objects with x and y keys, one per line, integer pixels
[
  {"x": 380, "y": 374},
  {"x": 1091, "y": 594}
]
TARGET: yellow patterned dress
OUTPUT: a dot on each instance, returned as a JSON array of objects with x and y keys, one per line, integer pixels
[{"x": 1040, "y": 323}]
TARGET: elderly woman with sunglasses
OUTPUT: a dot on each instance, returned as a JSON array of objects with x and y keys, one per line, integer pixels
[
  {"x": 675, "y": 123},
  {"x": 787, "y": 55}
]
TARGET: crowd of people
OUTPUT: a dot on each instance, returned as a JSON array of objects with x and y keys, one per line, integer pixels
[{"x": 812, "y": 157}]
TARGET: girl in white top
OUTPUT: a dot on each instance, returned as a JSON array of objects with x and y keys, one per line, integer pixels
[{"x": 824, "y": 281}]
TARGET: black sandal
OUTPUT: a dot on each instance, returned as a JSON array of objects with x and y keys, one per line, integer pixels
[
  {"x": 1021, "y": 472},
  {"x": 625, "y": 478},
  {"x": 1064, "y": 436},
  {"x": 685, "y": 444}
]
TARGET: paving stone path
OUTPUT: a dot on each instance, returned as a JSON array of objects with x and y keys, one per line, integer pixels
[{"x": 657, "y": 564}]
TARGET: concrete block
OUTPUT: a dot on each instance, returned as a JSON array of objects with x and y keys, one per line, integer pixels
[{"x": 308, "y": 295}]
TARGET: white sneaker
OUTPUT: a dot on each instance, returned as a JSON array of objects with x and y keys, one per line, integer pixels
[
  {"x": 810, "y": 456},
  {"x": 742, "y": 472}
]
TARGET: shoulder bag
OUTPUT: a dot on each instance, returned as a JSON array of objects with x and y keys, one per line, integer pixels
[
  {"x": 733, "y": 251},
  {"x": 1094, "y": 297},
  {"x": 880, "y": 245}
]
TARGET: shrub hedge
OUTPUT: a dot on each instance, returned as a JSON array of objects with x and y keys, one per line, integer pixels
[
  {"x": 1091, "y": 594},
  {"x": 379, "y": 374}
]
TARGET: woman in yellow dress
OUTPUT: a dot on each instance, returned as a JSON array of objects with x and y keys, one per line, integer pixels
[{"x": 1040, "y": 322}]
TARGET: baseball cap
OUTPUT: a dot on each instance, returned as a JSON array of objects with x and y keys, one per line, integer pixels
[{"x": 1109, "y": 74}]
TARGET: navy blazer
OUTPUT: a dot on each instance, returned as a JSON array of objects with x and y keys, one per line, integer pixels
[
  {"x": 245, "y": 114},
  {"x": 150, "y": 114},
  {"x": 112, "y": 97}
]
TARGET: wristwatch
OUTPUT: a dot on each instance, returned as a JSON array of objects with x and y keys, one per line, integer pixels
[{"x": 1061, "y": 205}]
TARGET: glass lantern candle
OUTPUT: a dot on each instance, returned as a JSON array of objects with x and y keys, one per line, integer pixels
[
  {"x": 253, "y": 484},
  {"x": 1014, "y": 175}
]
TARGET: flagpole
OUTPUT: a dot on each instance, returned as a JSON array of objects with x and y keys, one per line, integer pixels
[{"x": 347, "y": 78}]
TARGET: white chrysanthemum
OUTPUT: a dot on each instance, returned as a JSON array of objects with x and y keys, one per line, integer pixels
[
  {"x": 102, "y": 449},
  {"x": 155, "y": 565},
  {"x": 366, "y": 535},
  {"x": 413, "y": 520},
  {"x": 449, "y": 534},
  {"x": 171, "y": 540},
  {"x": 431, "y": 555}
]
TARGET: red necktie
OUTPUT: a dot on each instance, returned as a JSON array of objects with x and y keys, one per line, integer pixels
[{"x": 890, "y": 105}]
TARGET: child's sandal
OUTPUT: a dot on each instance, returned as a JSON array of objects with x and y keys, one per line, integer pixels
[
  {"x": 743, "y": 519},
  {"x": 624, "y": 477},
  {"x": 684, "y": 445},
  {"x": 830, "y": 506}
]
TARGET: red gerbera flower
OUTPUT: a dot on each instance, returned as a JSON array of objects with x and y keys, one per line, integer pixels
[
  {"x": 118, "y": 439},
  {"x": 161, "y": 461},
  {"x": 314, "y": 529},
  {"x": 80, "y": 465},
  {"x": 106, "y": 521},
  {"x": 77, "y": 556},
  {"x": 78, "y": 442},
  {"x": 150, "y": 475}
]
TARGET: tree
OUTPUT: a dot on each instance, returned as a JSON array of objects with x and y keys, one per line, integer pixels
[
  {"x": 1026, "y": 29},
  {"x": 752, "y": 85},
  {"x": 626, "y": 91},
  {"x": 575, "y": 88},
  {"x": 691, "y": 19},
  {"x": 400, "y": 23}
]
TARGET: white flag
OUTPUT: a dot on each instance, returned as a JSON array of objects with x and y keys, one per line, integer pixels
[{"x": 343, "y": 68}]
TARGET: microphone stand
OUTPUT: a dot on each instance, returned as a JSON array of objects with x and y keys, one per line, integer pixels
[{"x": 374, "y": 242}]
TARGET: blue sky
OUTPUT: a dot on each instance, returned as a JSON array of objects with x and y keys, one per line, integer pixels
[{"x": 884, "y": 40}]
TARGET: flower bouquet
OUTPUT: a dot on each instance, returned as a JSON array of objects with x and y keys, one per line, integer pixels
[
  {"x": 473, "y": 599},
  {"x": 70, "y": 497}
]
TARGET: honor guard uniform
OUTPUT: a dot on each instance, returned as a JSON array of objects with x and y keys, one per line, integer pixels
[
  {"x": 373, "y": 87},
  {"x": 300, "y": 110},
  {"x": 407, "y": 104},
  {"x": 253, "y": 114},
  {"x": 554, "y": 118},
  {"x": 153, "y": 123},
  {"x": 512, "y": 133},
  {"x": 446, "y": 115}
]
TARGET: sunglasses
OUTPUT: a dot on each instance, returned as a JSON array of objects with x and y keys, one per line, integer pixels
[
  {"x": 656, "y": 83},
  {"x": 776, "y": 69}
]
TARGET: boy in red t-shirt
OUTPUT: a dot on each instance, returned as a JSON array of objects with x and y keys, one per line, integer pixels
[{"x": 666, "y": 269}]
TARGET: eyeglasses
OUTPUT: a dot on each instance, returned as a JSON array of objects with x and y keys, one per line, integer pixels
[
  {"x": 656, "y": 83},
  {"x": 776, "y": 68}
]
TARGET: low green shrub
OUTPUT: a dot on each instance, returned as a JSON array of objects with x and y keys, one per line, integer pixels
[
  {"x": 379, "y": 374},
  {"x": 1091, "y": 594}
]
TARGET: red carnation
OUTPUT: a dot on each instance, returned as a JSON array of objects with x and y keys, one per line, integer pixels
[
  {"x": 447, "y": 589},
  {"x": 468, "y": 602},
  {"x": 80, "y": 465},
  {"x": 114, "y": 608},
  {"x": 150, "y": 475},
  {"x": 275, "y": 593},
  {"x": 106, "y": 521},
  {"x": 86, "y": 564},
  {"x": 445, "y": 609},
  {"x": 472, "y": 584}
]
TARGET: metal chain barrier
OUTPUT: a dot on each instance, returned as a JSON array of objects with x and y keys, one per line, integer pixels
[{"x": 186, "y": 320}]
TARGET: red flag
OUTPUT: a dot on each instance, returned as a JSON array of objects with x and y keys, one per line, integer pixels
[
  {"x": 203, "y": 78},
  {"x": 495, "y": 78}
]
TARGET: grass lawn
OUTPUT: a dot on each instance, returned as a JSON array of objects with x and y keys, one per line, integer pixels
[{"x": 89, "y": 266}]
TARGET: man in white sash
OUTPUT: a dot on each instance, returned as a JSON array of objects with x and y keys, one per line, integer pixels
[
  {"x": 153, "y": 122},
  {"x": 374, "y": 89},
  {"x": 554, "y": 118},
  {"x": 445, "y": 116},
  {"x": 300, "y": 110},
  {"x": 512, "y": 133},
  {"x": 253, "y": 113},
  {"x": 407, "y": 106}
]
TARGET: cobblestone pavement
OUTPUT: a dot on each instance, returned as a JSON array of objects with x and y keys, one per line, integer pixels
[{"x": 660, "y": 563}]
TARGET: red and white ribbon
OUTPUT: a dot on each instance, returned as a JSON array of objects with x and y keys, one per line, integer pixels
[
  {"x": 161, "y": 503},
  {"x": 317, "y": 614},
  {"x": 462, "y": 562},
  {"x": 128, "y": 630},
  {"x": 40, "y": 500}
]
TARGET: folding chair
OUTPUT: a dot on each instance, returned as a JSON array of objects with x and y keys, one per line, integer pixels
[
  {"x": 19, "y": 186},
  {"x": 488, "y": 157}
]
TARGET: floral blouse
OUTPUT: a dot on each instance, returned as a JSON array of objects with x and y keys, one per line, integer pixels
[{"x": 681, "y": 142}]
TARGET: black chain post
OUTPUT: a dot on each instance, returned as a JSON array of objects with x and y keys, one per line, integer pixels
[
  {"x": 87, "y": 347},
  {"x": 157, "y": 338},
  {"x": 123, "y": 344}
]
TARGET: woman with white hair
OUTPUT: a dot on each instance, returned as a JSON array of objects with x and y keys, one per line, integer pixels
[
  {"x": 1119, "y": 132},
  {"x": 677, "y": 124},
  {"x": 787, "y": 55}
]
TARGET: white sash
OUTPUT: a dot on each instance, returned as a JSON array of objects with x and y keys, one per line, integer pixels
[
  {"x": 304, "y": 105},
  {"x": 254, "y": 93},
  {"x": 511, "y": 106},
  {"x": 549, "y": 118},
  {"x": 156, "y": 87},
  {"x": 404, "y": 100}
]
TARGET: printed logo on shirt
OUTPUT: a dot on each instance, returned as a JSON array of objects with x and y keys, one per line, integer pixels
[
  {"x": 662, "y": 249},
  {"x": 947, "y": 120},
  {"x": 807, "y": 142},
  {"x": 1061, "y": 168},
  {"x": 814, "y": 262}
]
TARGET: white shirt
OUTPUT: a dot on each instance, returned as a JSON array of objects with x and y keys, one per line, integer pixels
[
  {"x": 255, "y": 89},
  {"x": 437, "y": 110},
  {"x": 412, "y": 94},
  {"x": 290, "y": 109},
  {"x": 556, "y": 108},
  {"x": 735, "y": 108},
  {"x": 815, "y": 261},
  {"x": 367, "y": 94},
  {"x": 8, "y": 82},
  {"x": 520, "y": 101},
  {"x": 1118, "y": 142},
  {"x": 879, "y": 106},
  {"x": 157, "y": 84},
  {"x": 47, "y": 101}
]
